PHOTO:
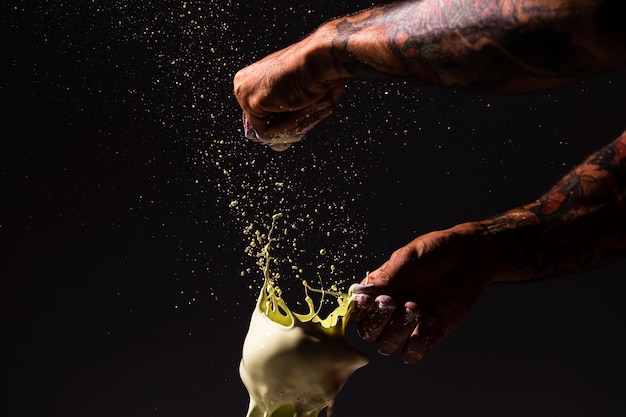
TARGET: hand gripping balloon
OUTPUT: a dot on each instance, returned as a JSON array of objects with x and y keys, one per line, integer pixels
[{"x": 280, "y": 130}]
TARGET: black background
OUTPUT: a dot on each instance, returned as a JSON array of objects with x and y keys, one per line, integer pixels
[{"x": 122, "y": 256}]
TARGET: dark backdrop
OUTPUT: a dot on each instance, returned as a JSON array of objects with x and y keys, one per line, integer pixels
[{"x": 123, "y": 251}]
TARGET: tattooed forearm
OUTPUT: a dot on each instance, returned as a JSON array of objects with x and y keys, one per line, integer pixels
[
  {"x": 579, "y": 224},
  {"x": 494, "y": 45}
]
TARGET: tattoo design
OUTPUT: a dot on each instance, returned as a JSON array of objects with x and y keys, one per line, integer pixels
[
  {"x": 579, "y": 224},
  {"x": 469, "y": 43},
  {"x": 509, "y": 46}
]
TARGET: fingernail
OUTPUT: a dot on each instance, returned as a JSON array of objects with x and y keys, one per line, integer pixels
[
  {"x": 385, "y": 303},
  {"x": 411, "y": 314},
  {"x": 363, "y": 305},
  {"x": 372, "y": 326}
]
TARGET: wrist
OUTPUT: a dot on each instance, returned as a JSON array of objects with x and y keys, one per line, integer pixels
[
  {"x": 491, "y": 249},
  {"x": 471, "y": 246},
  {"x": 510, "y": 235},
  {"x": 318, "y": 57}
]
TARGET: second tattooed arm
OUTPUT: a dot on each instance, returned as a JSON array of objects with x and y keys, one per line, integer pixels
[
  {"x": 428, "y": 286},
  {"x": 578, "y": 225},
  {"x": 484, "y": 45}
]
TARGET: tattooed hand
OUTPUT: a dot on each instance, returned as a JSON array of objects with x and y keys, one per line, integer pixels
[
  {"x": 429, "y": 286},
  {"x": 483, "y": 45},
  {"x": 287, "y": 93},
  {"x": 425, "y": 290},
  {"x": 503, "y": 46}
]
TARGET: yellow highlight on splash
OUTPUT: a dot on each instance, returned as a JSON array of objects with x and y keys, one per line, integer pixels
[{"x": 294, "y": 365}]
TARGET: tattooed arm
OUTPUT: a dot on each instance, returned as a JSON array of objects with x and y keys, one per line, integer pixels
[
  {"x": 429, "y": 286},
  {"x": 579, "y": 224},
  {"x": 484, "y": 45},
  {"x": 487, "y": 45}
]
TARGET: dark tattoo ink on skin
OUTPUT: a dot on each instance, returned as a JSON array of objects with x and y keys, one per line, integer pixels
[
  {"x": 579, "y": 224},
  {"x": 474, "y": 44}
]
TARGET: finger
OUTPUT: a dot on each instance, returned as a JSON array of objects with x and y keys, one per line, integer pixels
[
  {"x": 283, "y": 141},
  {"x": 363, "y": 305},
  {"x": 425, "y": 336},
  {"x": 286, "y": 127},
  {"x": 310, "y": 117},
  {"x": 372, "y": 325},
  {"x": 382, "y": 276},
  {"x": 399, "y": 328},
  {"x": 363, "y": 289},
  {"x": 280, "y": 130}
]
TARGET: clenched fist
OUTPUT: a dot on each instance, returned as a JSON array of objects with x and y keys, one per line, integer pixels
[{"x": 287, "y": 93}]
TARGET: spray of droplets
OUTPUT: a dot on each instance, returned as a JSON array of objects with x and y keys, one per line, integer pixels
[
  {"x": 319, "y": 237},
  {"x": 202, "y": 185}
]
